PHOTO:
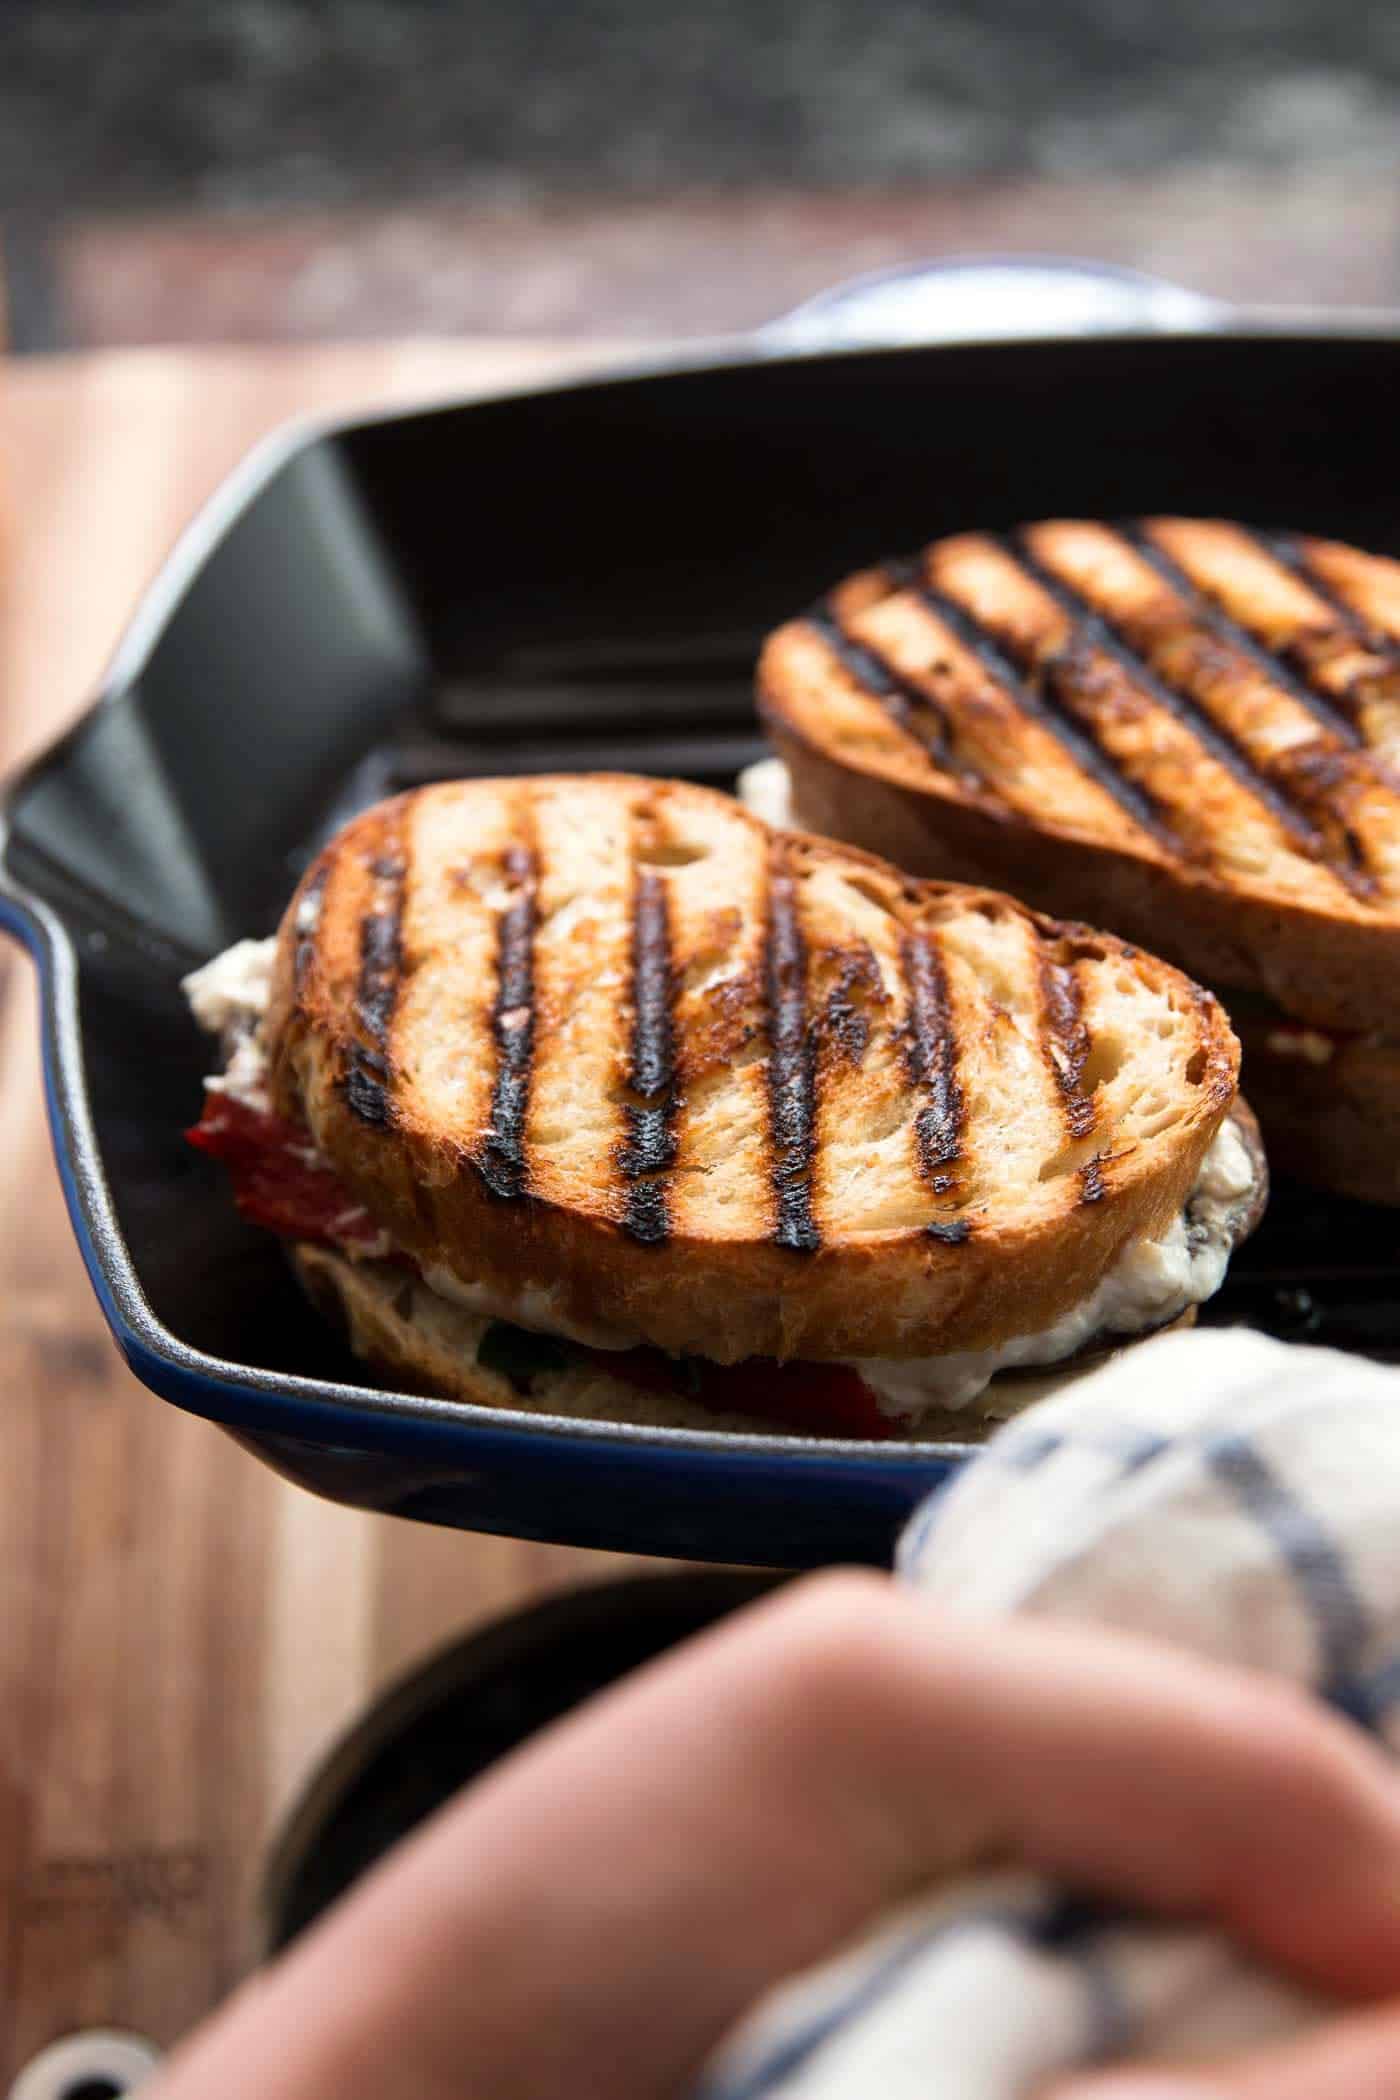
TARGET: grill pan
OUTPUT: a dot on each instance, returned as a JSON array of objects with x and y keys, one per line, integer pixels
[{"x": 578, "y": 577}]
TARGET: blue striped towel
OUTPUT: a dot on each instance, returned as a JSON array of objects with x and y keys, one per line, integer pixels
[{"x": 1216, "y": 1490}]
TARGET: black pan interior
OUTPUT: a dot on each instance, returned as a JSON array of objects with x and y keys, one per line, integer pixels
[{"x": 579, "y": 579}]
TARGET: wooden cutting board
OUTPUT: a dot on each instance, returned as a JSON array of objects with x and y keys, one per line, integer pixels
[{"x": 184, "y": 1633}]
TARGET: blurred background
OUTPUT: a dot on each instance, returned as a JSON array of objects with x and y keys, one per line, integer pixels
[{"x": 280, "y": 170}]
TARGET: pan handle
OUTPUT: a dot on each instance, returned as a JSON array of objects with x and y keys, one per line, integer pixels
[{"x": 992, "y": 298}]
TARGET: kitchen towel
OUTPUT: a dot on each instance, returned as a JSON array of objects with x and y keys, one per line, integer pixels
[{"x": 1217, "y": 1490}]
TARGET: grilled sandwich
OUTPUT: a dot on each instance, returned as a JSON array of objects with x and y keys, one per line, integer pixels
[
  {"x": 600, "y": 1094},
  {"x": 1184, "y": 729}
]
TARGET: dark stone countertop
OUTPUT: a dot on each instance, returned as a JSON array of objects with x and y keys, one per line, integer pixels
[{"x": 279, "y": 169}]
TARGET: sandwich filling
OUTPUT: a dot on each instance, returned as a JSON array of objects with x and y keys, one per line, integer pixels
[
  {"x": 766, "y": 788},
  {"x": 283, "y": 1183}
]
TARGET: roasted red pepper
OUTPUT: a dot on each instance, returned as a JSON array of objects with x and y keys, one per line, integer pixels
[
  {"x": 815, "y": 1399},
  {"x": 279, "y": 1183},
  {"x": 277, "y": 1180}
]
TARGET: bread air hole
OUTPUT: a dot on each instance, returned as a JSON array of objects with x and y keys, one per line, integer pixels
[
  {"x": 710, "y": 967},
  {"x": 1196, "y": 1067},
  {"x": 1107, "y": 1055},
  {"x": 1104, "y": 1062},
  {"x": 671, "y": 853},
  {"x": 561, "y": 920},
  {"x": 873, "y": 892},
  {"x": 624, "y": 1096},
  {"x": 487, "y": 880},
  {"x": 1150, "y": 1113}
]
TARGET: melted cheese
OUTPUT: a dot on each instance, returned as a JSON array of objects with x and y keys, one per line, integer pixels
[
  {"x": 766, "y": 789},
  {"x": 1153, "y": 1283},
  {"x": 228, "y": 998},
  {"x": 230, "y": 994},
  {"x": 528, "y": 1307}
]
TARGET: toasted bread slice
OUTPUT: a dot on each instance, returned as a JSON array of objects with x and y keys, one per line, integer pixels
[
  {"x": 417, "y": 1342},
  {"x": 612, "y": 1051},
  {"x": 1182, "y": 728},
  {"x": 1330, "y": 1102}
]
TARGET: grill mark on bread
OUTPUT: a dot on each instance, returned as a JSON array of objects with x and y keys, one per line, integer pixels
[
  {"x": 377, "y": 988},
  {"x": 931, "y": 1062},
  {"x": 1066, "y": 1043},
  {"x": 649, "y": 1151},
  {"x": 909, "y": 707},
  {"x": 502, "y": 1162},
  {"x": 1092, "y": 1186},
  {"x": 1276, "y": 586},
  {"x": 1283, "y": 668},
  {"x": 308, "y": 926},
  {"x": 845, "y": 1021},
  {"x": 1092, "y": 628},
  {"x": 1307, "y": 774},
  {"x": 873, "y": 1208},
  {"x": 1290, "y": 554},
  {"x": 792, "y": 1064},
  {"x": 1042, "y": 704}
]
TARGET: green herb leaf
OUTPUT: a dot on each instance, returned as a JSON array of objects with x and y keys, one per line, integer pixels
[{"x": 520, "y": 1355}]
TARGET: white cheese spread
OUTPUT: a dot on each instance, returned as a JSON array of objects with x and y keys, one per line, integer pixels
[
  {"x": 766, "y": 789},
  {"x": 228, "y": 998},
  {"x": 529, "y": 1307},
  {"x": 244, "y": 1078},
  {"x": 231, "y": 992},
  {"x": 1153, "y": 1282}
]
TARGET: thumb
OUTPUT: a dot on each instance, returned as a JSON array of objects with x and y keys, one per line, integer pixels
[{"x": 1356, "y": 2058}]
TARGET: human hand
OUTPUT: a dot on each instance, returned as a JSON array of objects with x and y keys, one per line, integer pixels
[{"x": 596, "y": 1912}]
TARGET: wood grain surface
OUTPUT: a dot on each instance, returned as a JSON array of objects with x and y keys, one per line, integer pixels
[{"x": 184, "y": 1634}]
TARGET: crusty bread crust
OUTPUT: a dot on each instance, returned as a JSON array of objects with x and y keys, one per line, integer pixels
[
  {"x": 869, "y": 1155},
  {"x": 1295, "y": 921},
  {"x": 415, "y": 1342}
]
